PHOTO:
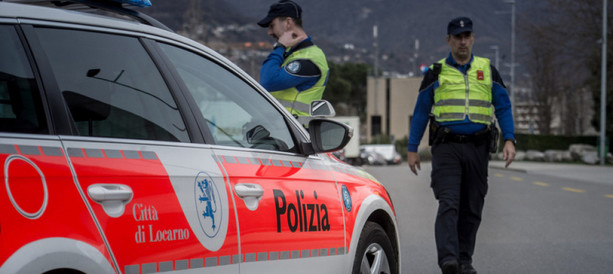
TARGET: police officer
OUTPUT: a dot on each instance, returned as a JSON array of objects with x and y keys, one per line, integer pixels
[
  {"x": 296, "y": 71},
  {"x": 458, "y": 92}
]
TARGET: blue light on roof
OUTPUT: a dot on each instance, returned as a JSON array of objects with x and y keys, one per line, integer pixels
[{"x": 140, "y": 3}]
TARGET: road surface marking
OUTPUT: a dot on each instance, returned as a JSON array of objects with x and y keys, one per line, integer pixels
[
  {"x": 609, "y": 196},
  {"x": 519, "y": 179},
  {"x": 498, "y": 175},
  {"x": 541, "y": 184},
  {"x": 573, "y": 189}
]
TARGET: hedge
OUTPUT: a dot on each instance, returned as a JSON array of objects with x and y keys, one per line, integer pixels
[
  {"x": 546, "y": 142},
  {"x": 529, "y": 142}
]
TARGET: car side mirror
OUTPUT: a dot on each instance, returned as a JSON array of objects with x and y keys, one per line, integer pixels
[
  {"x": 321, "y": 109},
  {"x": 327, "y": 135}
]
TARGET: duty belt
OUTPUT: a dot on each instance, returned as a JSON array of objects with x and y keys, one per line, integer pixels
[{"x": 479, "y": 136}]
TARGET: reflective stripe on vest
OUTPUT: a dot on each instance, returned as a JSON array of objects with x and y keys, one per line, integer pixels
[
  {"x": 299, "y": 102},
  {"x": 459, "y": 96},
  {"x": 297, "y": 106}
]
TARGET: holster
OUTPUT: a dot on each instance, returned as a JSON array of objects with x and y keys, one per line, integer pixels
[
  {"x": 436, "y": 132},
  {"x": 494, "y": 137}
]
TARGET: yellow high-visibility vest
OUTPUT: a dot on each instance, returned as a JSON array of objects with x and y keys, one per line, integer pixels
[
  {"x": 299, "y": 102},
  {"x": 464, "y": 95}
]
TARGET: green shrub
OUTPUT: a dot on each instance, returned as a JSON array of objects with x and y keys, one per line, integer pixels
[
  {"x": 402, "y": 146},
  {"x": 524, "y": 142},
  {"x": 380, "y": 139},
  {"x": 546, "y": 142}
]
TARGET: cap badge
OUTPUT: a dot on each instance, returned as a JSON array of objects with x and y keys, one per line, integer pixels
[{"x": 461, "y": 24}]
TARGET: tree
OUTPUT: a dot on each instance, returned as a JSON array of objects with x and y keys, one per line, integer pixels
[
  {"x": 544, "y": 83},
  {"x": 346, "y": 89},
  {"x": 594, "y": 84},
  {"x": 563, "y": 46},
  {"x": 586, "y": 17}
]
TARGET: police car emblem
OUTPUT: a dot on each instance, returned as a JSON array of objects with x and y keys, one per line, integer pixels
[
  {"x": 346, "y": 198},
  {"x": 208, "y": 204},
  {"x": 293, "y": 66}
]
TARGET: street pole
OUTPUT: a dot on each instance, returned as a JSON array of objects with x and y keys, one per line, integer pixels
[
  {"x": 376, "y": 72},
  {"x": 512, "y": 95},
  {"x": 603, "y": 84},
  {"x": 495, "y": 48}
]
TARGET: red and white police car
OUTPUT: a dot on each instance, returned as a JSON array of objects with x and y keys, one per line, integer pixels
[{"x": 126, "y": 148}]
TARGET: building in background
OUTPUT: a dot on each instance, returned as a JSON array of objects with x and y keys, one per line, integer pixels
[
  {"x": 391, "y": 101},
  {"x": 389, "y": 107}
]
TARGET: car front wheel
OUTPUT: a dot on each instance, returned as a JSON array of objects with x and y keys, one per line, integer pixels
[{"x": 374, "y": 253}]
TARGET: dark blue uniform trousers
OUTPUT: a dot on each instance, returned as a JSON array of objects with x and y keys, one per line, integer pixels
[{"x": 459, "y": 182}]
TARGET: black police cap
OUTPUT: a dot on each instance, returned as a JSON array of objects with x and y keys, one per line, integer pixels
[
  {"x": 284, "y": 8},
  {"x": 459, "y": 25}
]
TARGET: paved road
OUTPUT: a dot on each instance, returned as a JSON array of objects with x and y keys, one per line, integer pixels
[
  {"x": 577, "y": 172},
  {"x": 538, "y": 218}
]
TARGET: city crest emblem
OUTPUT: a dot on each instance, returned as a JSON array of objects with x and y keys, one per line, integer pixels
[
  {"x": 346, "y": 198},
  {"x": 208, "y": 204}
]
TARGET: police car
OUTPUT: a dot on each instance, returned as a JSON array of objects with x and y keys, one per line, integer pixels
[{"x": 126, "y": 148}]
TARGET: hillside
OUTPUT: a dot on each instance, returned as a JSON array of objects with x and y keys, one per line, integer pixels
[{"x": 343, "y": 28}]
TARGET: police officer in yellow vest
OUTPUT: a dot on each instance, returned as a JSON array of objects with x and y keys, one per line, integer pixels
[
  {"x": 296, "y": 71},
  {"x": 456, "y": 96}
]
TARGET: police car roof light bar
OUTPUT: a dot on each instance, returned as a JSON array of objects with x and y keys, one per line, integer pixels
[
  {"x": 114, "y": 6},
  {"x": 139, "y": 3}
]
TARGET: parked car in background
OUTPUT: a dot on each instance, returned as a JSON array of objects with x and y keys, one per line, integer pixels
[
  {"x": 372, "y": 158},
  {"x": 388, "y": 151}
]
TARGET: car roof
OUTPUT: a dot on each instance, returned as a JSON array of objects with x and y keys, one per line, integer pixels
[{"x": 26, "y": 13}]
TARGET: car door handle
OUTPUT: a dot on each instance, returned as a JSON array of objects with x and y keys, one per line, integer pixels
[
  {"x": 109, "y": 192},
  {"x": 112, "y": 197},
  {"x": 250, "y": 193},
  {"x": 249, "y": 190}
]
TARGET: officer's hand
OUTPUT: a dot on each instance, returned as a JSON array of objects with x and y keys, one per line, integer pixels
[
  {"x": 508, "y": 152},
  {"x": 413, "y": 159},
  {"x": 290, "y": 39}
]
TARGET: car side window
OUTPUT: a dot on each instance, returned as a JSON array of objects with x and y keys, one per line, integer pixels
[
  {"x": 111, "y": 86},
  {"x": 21, "y": 108},
  {"x": 236, "y": 113}
]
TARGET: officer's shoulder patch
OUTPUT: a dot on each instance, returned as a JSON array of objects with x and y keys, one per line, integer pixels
[
  {"x": 302, "y": 67},
  {"x": 293, "y": 66}
]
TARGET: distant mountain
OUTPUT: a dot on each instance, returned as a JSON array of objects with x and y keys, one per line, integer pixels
[
  {"x": 344, "y": 28},
  {"x": 213, "y": 12}
]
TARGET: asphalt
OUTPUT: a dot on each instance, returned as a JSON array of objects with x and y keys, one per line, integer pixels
[{"x": 579, "y": 172}]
